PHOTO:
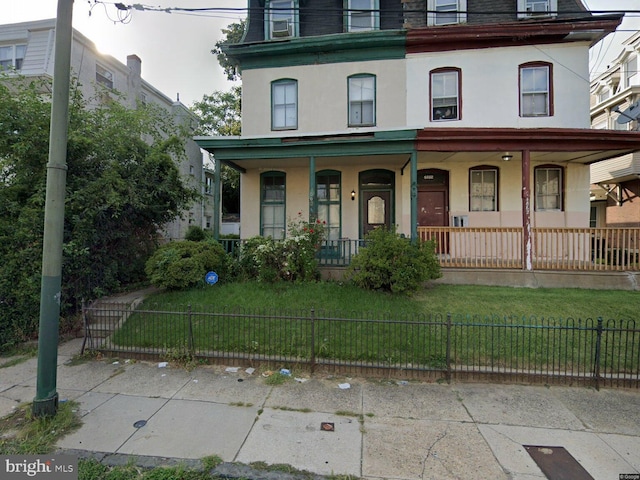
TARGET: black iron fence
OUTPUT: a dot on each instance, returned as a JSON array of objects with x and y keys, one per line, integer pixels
[{"x": 593, "y": 352}]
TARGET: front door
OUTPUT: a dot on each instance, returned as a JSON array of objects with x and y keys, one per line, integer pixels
[
  {"x": 433, "y": 205},
  {"x": 376, "y": 210}
]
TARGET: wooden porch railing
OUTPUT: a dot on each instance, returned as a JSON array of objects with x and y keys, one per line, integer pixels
[{"x": 603, "y": 249}]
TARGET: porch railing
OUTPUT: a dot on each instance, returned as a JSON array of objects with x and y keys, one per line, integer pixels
[{"x": 577, "y": 249}]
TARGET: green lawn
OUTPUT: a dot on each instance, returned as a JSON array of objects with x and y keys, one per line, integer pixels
[{"x": 549, "y": 329}]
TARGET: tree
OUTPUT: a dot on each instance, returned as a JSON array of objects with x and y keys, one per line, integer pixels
[
  {"x": 220, "y": 114},
  {"x": 123, "y": 183},
  {"x": 232, "y": 34}
]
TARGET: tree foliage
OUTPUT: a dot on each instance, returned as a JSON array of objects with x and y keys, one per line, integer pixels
[
  {"x": 220, "y": 114},
  {"x": 123, "y": 183},
  {"x": 232, "y": 34}
]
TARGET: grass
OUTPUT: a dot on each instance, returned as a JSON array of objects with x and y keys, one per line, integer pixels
[{"x": 492, "y": 326}]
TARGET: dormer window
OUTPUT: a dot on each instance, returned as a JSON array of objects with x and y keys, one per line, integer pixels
[
  {"x": 631, "y": 71},
  {"x": 363, "y": 15},
  {"x": 535, "y": 8},
  {"x": 281, "y": 19},
  {"x": 11, "y": 56},
  {"x": 446, "y": 12},
  {"x": 603, "y": 95}
]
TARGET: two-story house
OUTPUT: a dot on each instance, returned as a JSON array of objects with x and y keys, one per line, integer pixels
[
  {"x": 427, "y": 115},
  {"x": 27, "y": 49},
  {"x": 615, "y": 105}
]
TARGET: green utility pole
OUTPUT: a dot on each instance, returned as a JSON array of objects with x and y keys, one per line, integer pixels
[{"x": 46, "y": 400}]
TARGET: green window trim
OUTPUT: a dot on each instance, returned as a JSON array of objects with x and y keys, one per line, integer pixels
[
  {"x": 362, "y": 100},
  {"x": 361, "y": 15},
  {"x": 329, "y": 198},
  {"x": 273, "y": 204},
  {"x": 284, "y": 104},
  {"x": 281, "y": 19}
]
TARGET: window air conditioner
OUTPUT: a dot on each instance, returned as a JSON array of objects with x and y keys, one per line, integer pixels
[
  {"x": 537, "y": 7},
  {"x": 281, "y": 28}
]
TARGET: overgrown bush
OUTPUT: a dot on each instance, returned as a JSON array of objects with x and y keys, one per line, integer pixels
[
  {"x": 184, "y": 264},
  {"x": 197, "y": 234},
  {"x": 392, "y": 263},
  {"x": 292, "y": 259}
]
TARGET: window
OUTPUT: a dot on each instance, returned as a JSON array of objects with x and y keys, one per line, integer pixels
[
  {"x": 328, "y": 190},
  {"x": 631, "y": 71},
  {"x": 208, "y": 188},
  {"x": 284, "y": 105},
  {"x": 533, "y": 8},
  {"x": 603, "y": 95},
  {"x": 363, "y": 15},
  {"x": 535, "y": 90},
  {"x": 104, "y": 77},
  {"x": 12, "y": 56},
  {"x": 362, "y": 100},
  {"x": 483, "y": 189},
  {"x": 548, "y": 185},
  {"x": 272, "y": 209},
  {"x": 282, "y": 19},
  {"x": 445, "y": 97},
  {"x": 446, "y": 12}
]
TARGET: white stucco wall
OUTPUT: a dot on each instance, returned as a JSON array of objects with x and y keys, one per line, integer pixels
[
  {"x": 322, "y": 96},
  {"x": 490, "y": 93}
]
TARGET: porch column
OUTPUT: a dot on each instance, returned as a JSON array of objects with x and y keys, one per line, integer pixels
[
  {"x": 313, "y": 193},
  {"x": 217, "y": 199},
  {"x": 527, "y": 250},
  {"x": 414, "y": 196}
]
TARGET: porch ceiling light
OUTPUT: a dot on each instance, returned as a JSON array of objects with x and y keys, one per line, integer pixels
[
  {"x": 506, "y": 157},
  {"x": 353, "y": 194}
]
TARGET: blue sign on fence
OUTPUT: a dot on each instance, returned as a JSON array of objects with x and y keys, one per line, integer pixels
[{"x": 211, "y": 278}]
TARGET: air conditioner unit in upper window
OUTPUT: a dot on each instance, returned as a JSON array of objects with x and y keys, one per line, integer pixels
[
  {"x": 281, "y": 28},
  {"x": 537, "y": 7}
]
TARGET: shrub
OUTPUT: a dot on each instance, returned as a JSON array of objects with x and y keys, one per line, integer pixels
[
  {"x": 292, "y": 259},
  {"x": 197, "y": 234},
  {"x": 184, "y": 264},
  {"x": 393, "y": 263}
]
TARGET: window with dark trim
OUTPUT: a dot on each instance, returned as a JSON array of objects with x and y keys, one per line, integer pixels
[
  {"x": 446, "y": 12},
  {"x": 284, "y": 104},
  {"x": 281, "y": 18},
  {"x": 328, "y": 188},
  {"x": 272, "y": 204},
  {"x": 536, "y": 89},
  {"x": 362, "y": 15},
  {"x": 483, "y": 189},
  {"x": 446, "y": 85},
  {"x": 548, "y": 188},
  {"x": 362, "y": 100}
]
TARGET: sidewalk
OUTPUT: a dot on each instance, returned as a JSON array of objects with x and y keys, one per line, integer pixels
[{"x": 372, "y": 429}]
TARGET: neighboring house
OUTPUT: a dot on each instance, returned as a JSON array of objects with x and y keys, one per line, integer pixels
[
  {"x": 28, "y": 50},
  {"x": 428, "y": 115},
  {"x": 615, "y": 105}
]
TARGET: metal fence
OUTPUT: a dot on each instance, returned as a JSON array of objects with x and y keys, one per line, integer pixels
[{"x": 592, "y": 352}]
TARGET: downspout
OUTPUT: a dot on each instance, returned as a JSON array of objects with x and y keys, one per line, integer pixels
[{"x": 527, "y": 260}]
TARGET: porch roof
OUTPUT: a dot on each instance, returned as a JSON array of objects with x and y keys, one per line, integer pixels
[{"x": 567, "y": 145}]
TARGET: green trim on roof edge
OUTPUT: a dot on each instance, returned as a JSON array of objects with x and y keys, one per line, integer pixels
[
  {"x": 336, "y": 48},
  {"x": 374, "y": 143}
]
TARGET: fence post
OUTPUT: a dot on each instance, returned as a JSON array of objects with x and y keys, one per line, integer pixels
[
  {"x": 190, "y": 330},
  {"x": 313, "y": 340},
  {"x": 596, "y": 367},
  {"x": 448, "y": 352}
]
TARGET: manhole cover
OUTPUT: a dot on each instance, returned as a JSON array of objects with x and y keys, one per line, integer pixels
[
  {"x": 557, "y": 464},
  {"x": 327, "y": 427},
  {"x": 140, "y": 423}
]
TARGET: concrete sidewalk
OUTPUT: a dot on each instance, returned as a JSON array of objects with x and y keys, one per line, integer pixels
[{"x": 372, "y": 429}]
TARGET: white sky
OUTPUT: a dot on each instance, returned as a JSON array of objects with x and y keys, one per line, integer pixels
[{"x": 175, "y": 48}]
